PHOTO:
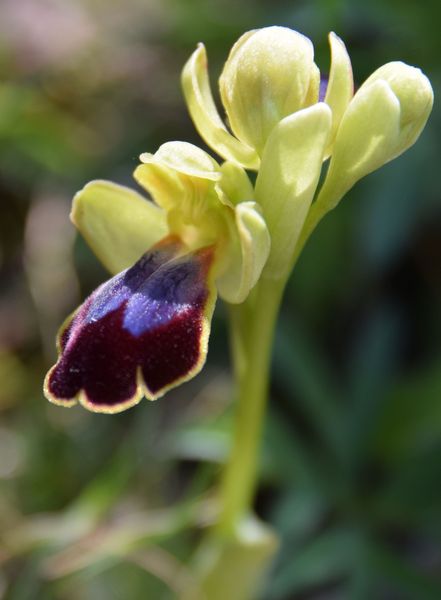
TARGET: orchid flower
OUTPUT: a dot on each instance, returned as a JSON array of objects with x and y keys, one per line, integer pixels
[
  {"x": 207, "y": 230},
  {"x": 146, "y": 330}
]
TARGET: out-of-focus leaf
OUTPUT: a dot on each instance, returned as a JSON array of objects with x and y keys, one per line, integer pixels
[
  {"x": 361, "y": 584},
  {"x": 402, "y": 577},
  {"x": 304, "y": 374},
  {"x": 412, "y": 494},
  {"x": 389, "y": 197},
  {"x": 79, "y": 518},
  {"x": 204, "y": 432},
  {"x": 102, "y": 493},
  {"x": 326, "y": 558},
  {"x": 116, "y": 540},
  {"x": 111, "y": 581},
  {"x": 29, "y": 586},
  {"x": 290, "y": 460},
  {"x": 298, "y": 513},
  {"x": 163, "y": 565},
  {"x": 411, "y": 419},
  {"x": 204, "y": 441},
  {"x": 319, "y": 278},
  {"x": 13, "y": 377},
  {"x": 40, "y": 131},
  {"x": 371, "y": 366}
]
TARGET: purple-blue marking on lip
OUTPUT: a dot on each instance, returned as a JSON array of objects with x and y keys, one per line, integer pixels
[{"x": 148, "y": 318}]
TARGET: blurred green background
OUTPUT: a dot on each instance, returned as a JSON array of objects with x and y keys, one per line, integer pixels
[{"x": 97, "y": 507}]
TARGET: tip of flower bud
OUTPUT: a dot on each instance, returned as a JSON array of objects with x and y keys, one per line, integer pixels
[
  {"x": 267, "y": 77},
  {"x": 410, "y": 86}
]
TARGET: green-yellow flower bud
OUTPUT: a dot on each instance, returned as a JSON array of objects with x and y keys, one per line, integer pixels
[
  {"x": 385, "y": 117},
  {"x": 267, "y": 77},
  {"x": 415, "y": 95}
]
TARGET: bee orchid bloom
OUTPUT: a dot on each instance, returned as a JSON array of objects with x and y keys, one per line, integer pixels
[
  {"x": 146, "y": 329},
  {"x": 208, "y": 229}
]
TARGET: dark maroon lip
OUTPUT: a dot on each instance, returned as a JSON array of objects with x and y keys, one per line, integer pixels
[{"x": 148, "y": 321}]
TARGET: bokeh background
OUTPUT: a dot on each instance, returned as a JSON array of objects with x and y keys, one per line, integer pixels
[{"x": 96, "y": 507}]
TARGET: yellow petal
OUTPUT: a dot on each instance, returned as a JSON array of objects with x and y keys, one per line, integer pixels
[
  {"x": 184, "y": 158},
  {"x": 266, "y": 77},
  {"x": 203, "y": 111},
  {"x": 248, "y": 252},
  {"x": 183, "y": 180},
  {"x": 117, "y": 223},
  {"x": 288, "y": 178},
  {"x": 235, "y": 185},
  {"x": 341, "y": 83},
  {"x": 415, "y": 95},
  {"x": 162, "y": 183}
]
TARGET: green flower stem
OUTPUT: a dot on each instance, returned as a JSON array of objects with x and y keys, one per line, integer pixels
[
  {"x": 252, "y": 326},
  {"x": 252, "y": 331}
]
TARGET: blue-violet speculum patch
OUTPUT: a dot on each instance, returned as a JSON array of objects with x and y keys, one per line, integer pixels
[{"x": 138, "y": 334}]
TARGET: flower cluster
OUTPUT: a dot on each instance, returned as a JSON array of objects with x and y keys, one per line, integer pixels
[{"x": 207, "y": 229}]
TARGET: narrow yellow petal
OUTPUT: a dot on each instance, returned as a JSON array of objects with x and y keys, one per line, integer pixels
[
  {"x": 341, "y": 83},
  {"x": 288, "y": 178},
  {"x": 203, "y": 111},
  {"x": 249, "y": 250}
]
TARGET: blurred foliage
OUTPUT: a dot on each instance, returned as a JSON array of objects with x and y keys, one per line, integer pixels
[{"x": 97, "y": 507}]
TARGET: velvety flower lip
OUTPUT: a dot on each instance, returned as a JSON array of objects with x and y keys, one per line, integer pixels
[{"x": 141, "y": 333}]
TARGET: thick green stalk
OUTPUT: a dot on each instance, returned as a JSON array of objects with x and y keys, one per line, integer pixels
[
  {"x": 252, "y": 330},
  {"x": 252, "y": 326}
]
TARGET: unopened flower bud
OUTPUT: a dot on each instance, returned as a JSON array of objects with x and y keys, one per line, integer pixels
[
  {"x": 385, "y": 117},
  {"x": 268, "y": 76}
]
